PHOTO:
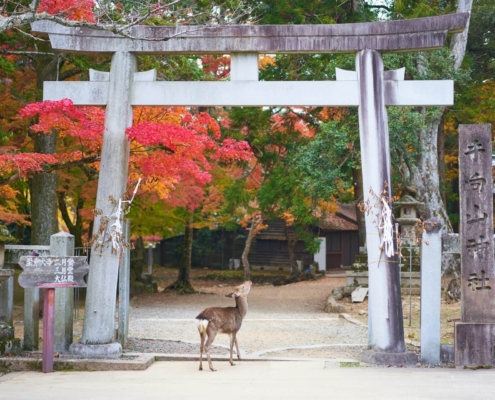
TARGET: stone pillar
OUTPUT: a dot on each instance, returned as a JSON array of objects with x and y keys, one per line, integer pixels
[
  {"x": 150, "y": 259},
  {"x": 431, "y": 284},
  {"x": 386, "y": 329},
  {"x": 475, "y": 334},
  {"x": 321, "y": 256},
  {"x": 31, "y": 319},
  {"x": 6, "y": 293},
  {"x": 62, "y": 244},
  {"x": 99, "y": 316},
  {"x": 124, "y": 287}
]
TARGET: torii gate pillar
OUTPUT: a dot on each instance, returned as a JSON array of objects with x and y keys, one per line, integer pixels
[
  {"x": 99, "y": 315},
  {"x": 386, "y": 327}
]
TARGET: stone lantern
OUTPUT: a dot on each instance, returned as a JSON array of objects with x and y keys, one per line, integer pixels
[{"x": 408, "y": 218}]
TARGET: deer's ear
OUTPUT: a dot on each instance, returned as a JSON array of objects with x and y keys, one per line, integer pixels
[{"x": 233, "y": 294}]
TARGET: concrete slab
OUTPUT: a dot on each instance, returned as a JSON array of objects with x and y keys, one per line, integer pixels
[
  {"x": 248, "y": 380},
  {"x": 359, "y": 294}
]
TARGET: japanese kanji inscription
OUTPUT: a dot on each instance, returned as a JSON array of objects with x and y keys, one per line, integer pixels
[
  {"x": 53, "y": 272},
  {"x": 477, "y": 272}
]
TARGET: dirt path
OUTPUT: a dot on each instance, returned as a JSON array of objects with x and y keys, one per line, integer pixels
[{"x": 280, "y": 321}]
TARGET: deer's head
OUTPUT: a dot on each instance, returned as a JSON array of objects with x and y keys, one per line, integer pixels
[{"x": 241, "y": 290}]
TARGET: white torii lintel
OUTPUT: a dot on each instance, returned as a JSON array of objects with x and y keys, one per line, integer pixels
[{"x": 254, "y": 93}]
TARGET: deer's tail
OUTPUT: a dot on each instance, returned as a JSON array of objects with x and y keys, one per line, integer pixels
[{"x": 201, "y": 324}]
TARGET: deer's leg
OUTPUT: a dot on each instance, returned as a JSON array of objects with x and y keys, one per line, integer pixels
[
  {"x": 201, "y": 346},
  {"x": 232, "y": 339},
  {"x": 236, "y": 349},
  {"x": 211, "y": 337}
]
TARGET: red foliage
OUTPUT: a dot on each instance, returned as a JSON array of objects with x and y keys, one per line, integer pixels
[
  {"x": 232, "y": 150},
  {"x": 23, "y": 163},
  {"x": 217, "y": 67},
  {"x": 86, "y": 123},
  {"x": 178, "y": 147},
  {"x": 75, "y": 10}
]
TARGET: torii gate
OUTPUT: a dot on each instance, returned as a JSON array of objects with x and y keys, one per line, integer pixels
[{"x": 370, "y": 88}]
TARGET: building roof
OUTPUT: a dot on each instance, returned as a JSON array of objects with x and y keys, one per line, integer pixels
[{"x": 344, "y": 220}]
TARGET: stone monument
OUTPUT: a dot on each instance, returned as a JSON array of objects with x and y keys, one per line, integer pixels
[{"x": 475, "y": 334}]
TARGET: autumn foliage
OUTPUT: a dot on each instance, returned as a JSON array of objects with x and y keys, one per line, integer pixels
[
  {"x": 169, "y": 145},
  {"x": 74, "y": 10}
]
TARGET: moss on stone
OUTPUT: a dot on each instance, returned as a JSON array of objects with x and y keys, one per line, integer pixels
[{"x": 10, "y": 346}]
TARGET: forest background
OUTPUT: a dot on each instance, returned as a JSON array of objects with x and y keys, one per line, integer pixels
[{"x": 224, "y": 168}]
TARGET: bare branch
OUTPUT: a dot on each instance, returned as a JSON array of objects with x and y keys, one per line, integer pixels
[
  {"x": 30, "y": 36},
  {"x": 27, "y": 53},
  {"x": 147, "y": 15},
  {"x": 53, "y": 167}
]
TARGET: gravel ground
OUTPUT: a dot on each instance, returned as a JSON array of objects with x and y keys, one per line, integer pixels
[{"x": 283, "y": 321}]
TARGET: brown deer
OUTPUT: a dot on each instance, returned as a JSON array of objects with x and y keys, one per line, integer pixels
[{"x": 224, "y": 320}]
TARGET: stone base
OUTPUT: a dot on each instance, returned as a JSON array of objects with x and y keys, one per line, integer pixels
[
  {"x": 10, "y": 346},
  {"x": 8, "y": 343},
  {"x": 474, "y": 344},
  {"x": 109, "y": 350},
  {"x": 447, "y": 353},
  {"x": 382, "y": 358},
  {"x": 6, "y": 331}
]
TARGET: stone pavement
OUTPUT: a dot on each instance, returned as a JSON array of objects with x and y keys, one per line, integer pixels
[{"x": 252, "y": 380}]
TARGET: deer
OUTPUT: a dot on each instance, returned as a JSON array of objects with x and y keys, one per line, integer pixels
[{"x": 224, "y": 320}]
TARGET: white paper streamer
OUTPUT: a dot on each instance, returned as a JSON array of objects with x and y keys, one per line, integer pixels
[{"x": 387, "y": 230}]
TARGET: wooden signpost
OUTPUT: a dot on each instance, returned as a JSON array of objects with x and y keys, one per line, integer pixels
[{"x": 50, "y": 272}]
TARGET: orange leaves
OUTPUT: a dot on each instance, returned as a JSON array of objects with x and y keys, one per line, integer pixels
[
  {"x": 288, "y": 217},
  {"x": 292, "y": 121},
  {"x": 330, "y": 207},
  {"x": 265, "y": 60},
  {"x": 171, "y": 115},
  {"x": 452, "y": 170},
  {"x": 8, "y": 207},
  {"x": 333, "y": 114}
]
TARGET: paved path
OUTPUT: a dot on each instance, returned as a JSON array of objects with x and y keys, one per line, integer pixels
[{"x": 252, "y": 380}]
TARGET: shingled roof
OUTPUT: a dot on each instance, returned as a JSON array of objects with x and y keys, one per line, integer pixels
[{"x": 344, "y": 220}]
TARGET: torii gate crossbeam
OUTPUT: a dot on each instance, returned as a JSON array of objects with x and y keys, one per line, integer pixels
[{"x": 370, "y": 88}]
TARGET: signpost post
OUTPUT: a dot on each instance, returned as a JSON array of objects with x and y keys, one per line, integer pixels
[{"x": 49, "y": 272}]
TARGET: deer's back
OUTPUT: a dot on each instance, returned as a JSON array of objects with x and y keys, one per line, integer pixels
[{"x": 224, "y": 320}]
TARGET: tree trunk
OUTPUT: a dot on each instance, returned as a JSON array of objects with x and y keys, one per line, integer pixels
[
  {"x": 425, "y": 175},
  {"x": 44, "y": 198},
  {"x": 183, "y": 282},
  {"x": 44, "y": 185},
  {"x": 255, "y": 222},
  {"x": 291, "y": 246}
]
